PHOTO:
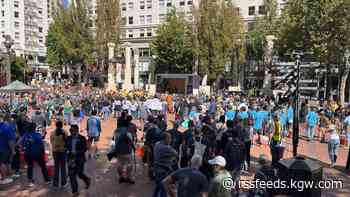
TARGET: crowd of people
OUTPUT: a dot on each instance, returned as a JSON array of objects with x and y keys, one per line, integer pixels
[{"x": 208, "y": 141}]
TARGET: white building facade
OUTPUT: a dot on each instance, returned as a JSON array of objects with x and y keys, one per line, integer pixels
[{"x": 27, "y": 22}]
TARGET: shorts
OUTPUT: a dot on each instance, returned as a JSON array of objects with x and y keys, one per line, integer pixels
[
  {"x": 92, "y": 139},
  {"x": 4, "y": 158}
]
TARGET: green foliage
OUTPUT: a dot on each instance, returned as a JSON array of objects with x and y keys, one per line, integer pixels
[
  {"x": 107, "y": 25},
  {"x": 69, "y": 39},
  {"x": 263, "y": 26},
  {"x": 321, "y": 27},
  {"x": 18, "y": 69},
  {"x": 173, "y": 46},
  {"x": 220, "y": 32}
]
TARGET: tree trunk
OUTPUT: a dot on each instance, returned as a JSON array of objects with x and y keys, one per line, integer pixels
[{"x": 343, "y": 81}]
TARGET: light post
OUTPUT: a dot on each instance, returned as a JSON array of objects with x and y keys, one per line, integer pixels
[
  {"x": 8, "y": 43},
  {"x": 296, "y": 105},
  {"x": 347, "y": 64}
]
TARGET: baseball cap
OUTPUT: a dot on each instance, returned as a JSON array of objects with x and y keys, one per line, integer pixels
[{"x": 218, "y": 160}]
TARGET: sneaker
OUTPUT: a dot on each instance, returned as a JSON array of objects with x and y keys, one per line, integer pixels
[
  {"x": 15, "y": 176},
  {"x": 76, "y": 194},
  {"x": 31, "y": 184},
  {"x": 130, "y": 181},
  {"x": 6, "y": 181},
  {"x": 48, "y": 182},
  {"x": 65, "y": 185},
  {"x": 121, "y": 180},
  {"x": 88, "y": 184}
]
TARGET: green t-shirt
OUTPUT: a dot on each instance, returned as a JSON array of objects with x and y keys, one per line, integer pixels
[{"x": 216, "y": 187}]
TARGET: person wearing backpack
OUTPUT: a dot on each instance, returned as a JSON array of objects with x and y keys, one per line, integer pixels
[
  {"x": 124, "y": 150},
  {"x": 57, "y": 140},
  {"x": 34, "y": 150},
  {"x": 235, "y": 155}
]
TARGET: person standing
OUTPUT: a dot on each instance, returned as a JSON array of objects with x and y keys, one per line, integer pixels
[
  {"x": 235, "y": 153},
  {"x": 93, "y": 128},
  {"x": 216, "y": 186},
  {"x": 40, "y": 121},
  {"x": 34, "y": 150},
  {"x": 57, "y": 140},
  {"x": 164, "y": 156},
  {"x": 276, "y": 140},
  {"x": 190, "y": 181},
  {"x": 67, "y": 112},
  {"x": 7, "y": 149},
  {"x": 124, "y": 150},
  {"x": 311, "y": 120},
  {"x": 333, "y": 145},
  {"x": 76, "y": 149}
]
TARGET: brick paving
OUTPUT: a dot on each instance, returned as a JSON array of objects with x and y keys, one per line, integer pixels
[{"x": 105, "y": 181}]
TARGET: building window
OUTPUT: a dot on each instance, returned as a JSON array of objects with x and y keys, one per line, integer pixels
[
  {"x": 161, "y": 3},
  {"x": 130, "y": 5},
  {"x": 189, "y": 3},
  {"x": 131, "y": 20},
  {"x": 142, "y": 19},
  {"x": 144, "y": 52},
  {"x": 168, "y": 4},
  {"x": 182, "y": 3},
  {"x": 149, "y": 4},
  {"x": 123, "y": 33},
  {"x": 251, "y": 11},
  {"x": 16, "y": 4},
  {"x": 2, "y": 23},
  {"x": 40, "y": 11},
  {"x": 2, "y": 13},
  {"x": 123, "y": 21},
  {"x": 16, "y": 14},
  {"x": 16, "y": 24},
  {"x": 149, "y": 32},
  {"x": 130, "y": 33},
  {"x": 250, "y": 26},
  {"x": 40, "y": 29},
  {"x": 262, "y": 10},
  {"x": 162, "y": 18},
  {"x": 142, "y": 5},
  {"x": 142, "y": 33},
  {"x": 238, "y": 11},
  {"x": 123, "y": 6},
  {"x": 149, "y": 19},
  {"x": 189, "y": 16}
]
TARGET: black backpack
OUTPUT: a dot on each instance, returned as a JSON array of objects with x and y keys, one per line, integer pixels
[
  {"x": 235, "y": 155},
  {"x": 123, "y": 144}
]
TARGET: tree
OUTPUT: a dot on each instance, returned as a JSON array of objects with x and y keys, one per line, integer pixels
[
  {"x": 321, "y": 27},
  {"x": 220, "y": 33},
  {"x": 18, "y": 69},
  {"x": 262, "y": 27},
  {"x": 69, "y": 40},
  {"x": 107, "y": 25},
  {"x": 173, "y": 46}
]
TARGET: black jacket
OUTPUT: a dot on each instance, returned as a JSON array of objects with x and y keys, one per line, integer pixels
[{"x": 81, "y": 147}]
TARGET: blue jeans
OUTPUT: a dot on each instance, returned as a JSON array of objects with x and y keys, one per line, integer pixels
[
  {"x": 310, "y": 132},
  {"x": 159, "y": 190},
  {"x": 66, "y": 118},
  {"x": 105, "y": 115},
  {"x": 333, "y": 147}
]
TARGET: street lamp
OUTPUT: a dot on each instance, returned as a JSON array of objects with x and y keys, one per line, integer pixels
[
  {"x": 8, "y": 43},
  {"x": 346, "y": 58},
  {"x": 296, "y": 105}
]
